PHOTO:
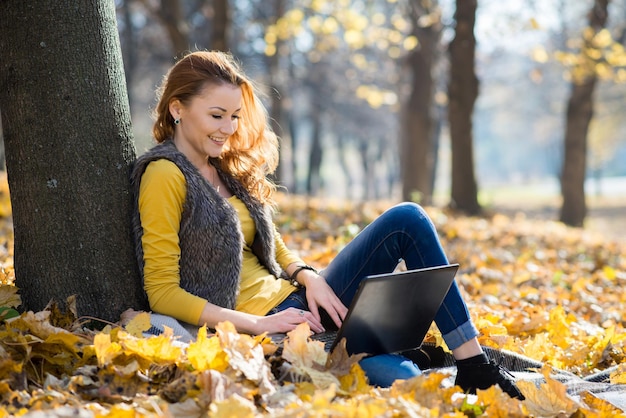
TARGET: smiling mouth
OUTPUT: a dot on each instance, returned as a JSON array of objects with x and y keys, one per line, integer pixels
[{"x": 220, "y": 141}]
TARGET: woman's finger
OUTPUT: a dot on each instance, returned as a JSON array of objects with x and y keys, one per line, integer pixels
[{"x": 307, "y": 316}]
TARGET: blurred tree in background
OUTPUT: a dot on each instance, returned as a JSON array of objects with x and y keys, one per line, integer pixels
[
  {"x": 580, "y": 108},
  {"x": 357, "y": 89},
  {"x": 463, "y": 92}
]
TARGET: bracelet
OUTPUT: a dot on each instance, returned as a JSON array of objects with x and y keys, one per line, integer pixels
[{"x": 293, "y": 276}]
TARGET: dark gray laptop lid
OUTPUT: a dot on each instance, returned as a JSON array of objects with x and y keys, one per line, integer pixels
[{"x": 393, "y": 312}]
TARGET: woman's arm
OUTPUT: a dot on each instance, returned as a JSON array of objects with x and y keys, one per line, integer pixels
[
  {"x": 319, "y": 294},
  {"x": 280, "y": 322},
  {"x": 162, "y": 193},
  {"x": 161, "y": 197}
]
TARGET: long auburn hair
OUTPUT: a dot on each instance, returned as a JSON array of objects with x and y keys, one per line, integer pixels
[{"x": 251, "y": 152}]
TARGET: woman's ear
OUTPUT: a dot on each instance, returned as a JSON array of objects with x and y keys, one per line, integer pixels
[{"x": 175, "y": 108}]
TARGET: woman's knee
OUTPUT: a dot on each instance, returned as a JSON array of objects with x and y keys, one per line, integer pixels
[
  {"x": 409, "y": 211},
  {"x": 410, "y": 214}
]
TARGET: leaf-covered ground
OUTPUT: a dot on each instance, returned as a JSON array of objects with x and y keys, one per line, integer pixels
[{"x": 533, "y": 287}]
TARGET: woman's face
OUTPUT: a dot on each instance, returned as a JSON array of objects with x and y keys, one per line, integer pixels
[{"x": 207, "y": 121}]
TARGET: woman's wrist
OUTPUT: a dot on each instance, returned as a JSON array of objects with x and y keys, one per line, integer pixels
[
  {"x": 307, "y": 276},
  {"x": 293, "y": 278}
]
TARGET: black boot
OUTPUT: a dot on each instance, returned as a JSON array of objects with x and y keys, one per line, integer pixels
[{"x": 480, "y": 373}]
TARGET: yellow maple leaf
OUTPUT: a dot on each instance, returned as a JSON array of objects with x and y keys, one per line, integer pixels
[
  {"x": 105, "y": 350},
  {"x": 139, "y": 324},
  {"x": 498, "y": 404},
  {"x": 559, "y": 327},
  {"x": 355, "y": 382},
  {"x": 427, "y": 390},
  {"x": 206, "y": 353},
  {"x": 156, "y": 349},
  {"x": 539, "y": 347},
  {"x": 549, "y": 398},
  {"x": 234, "y": 406},
  {"x": 600, "y": 407}
]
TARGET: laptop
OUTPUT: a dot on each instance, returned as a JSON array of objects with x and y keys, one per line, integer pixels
[{"x": 392, "y": 312}]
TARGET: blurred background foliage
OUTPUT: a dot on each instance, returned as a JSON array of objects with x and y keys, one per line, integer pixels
[
  {"x": 337, "y": 74},
  {"x": 359, "y": 91}
]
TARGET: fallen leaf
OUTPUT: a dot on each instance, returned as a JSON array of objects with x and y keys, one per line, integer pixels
[
  {"x": 138, "y": 324},
  {"x": 206, "y": 353},
  {"x": 9, "y": 297},
  {"x": 234, "y": 406},
  {"x": 600, "y": 407},
  {"x": 549, "y": 399}
]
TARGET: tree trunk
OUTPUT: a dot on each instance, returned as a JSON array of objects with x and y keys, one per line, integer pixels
[
  {"x": 172, "y": 16},
  {"x": 220, "y": 25},
  {"x": 579, "y": 114},
  {"x": 345, "y": 167},
  {"x": 314, "y": 178},
  {"x": 69, "y": 149},
  {"x": 129, "y": 39},
  {"x": 283, "y": 176},
  {"x": 462, "y": 93},
  {"x": 417, "y": 157}
]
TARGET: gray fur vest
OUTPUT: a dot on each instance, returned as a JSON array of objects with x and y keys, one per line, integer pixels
[{"x": 211, "y": 242}]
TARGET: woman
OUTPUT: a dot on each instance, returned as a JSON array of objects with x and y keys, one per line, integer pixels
[{"x": 208, "y": 249}]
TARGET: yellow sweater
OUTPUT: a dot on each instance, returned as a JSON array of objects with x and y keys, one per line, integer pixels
[{"x": 161, "y": 196}]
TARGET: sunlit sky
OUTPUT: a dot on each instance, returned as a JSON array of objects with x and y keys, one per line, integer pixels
[{"x": 510, "y": 24}]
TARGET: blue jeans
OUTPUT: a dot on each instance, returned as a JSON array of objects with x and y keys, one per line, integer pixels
[{"x": 403, "y": 232}]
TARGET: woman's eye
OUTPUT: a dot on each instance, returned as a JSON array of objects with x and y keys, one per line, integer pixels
[{"x": 217, "y": 116}]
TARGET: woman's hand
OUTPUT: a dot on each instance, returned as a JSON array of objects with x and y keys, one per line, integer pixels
[
  {"x": 280, "y": 322},
  {"x": 320, "y": 295},
  {"x": 287, "y": 320}
]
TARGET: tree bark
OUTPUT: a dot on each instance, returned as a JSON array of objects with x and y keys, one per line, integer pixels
[
  {"x": 462, "y": 93},
  {"x": 220, "y": 25},
  {"x": 579, "y": 114},
  {"x": 283, "y": 176},
  {"x": 314, "y": 176},
  {"x": 172, "y": 16},
  {"x": 417, "y": 156},
  {"x": 69, "y": 149},
  {"x": 129, "y": 40}
]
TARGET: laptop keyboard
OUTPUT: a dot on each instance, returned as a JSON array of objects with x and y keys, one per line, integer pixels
[{"x": 327, "y": 338}]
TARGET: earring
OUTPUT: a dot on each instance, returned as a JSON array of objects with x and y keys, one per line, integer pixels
[{"x": 177, "y": 121}]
